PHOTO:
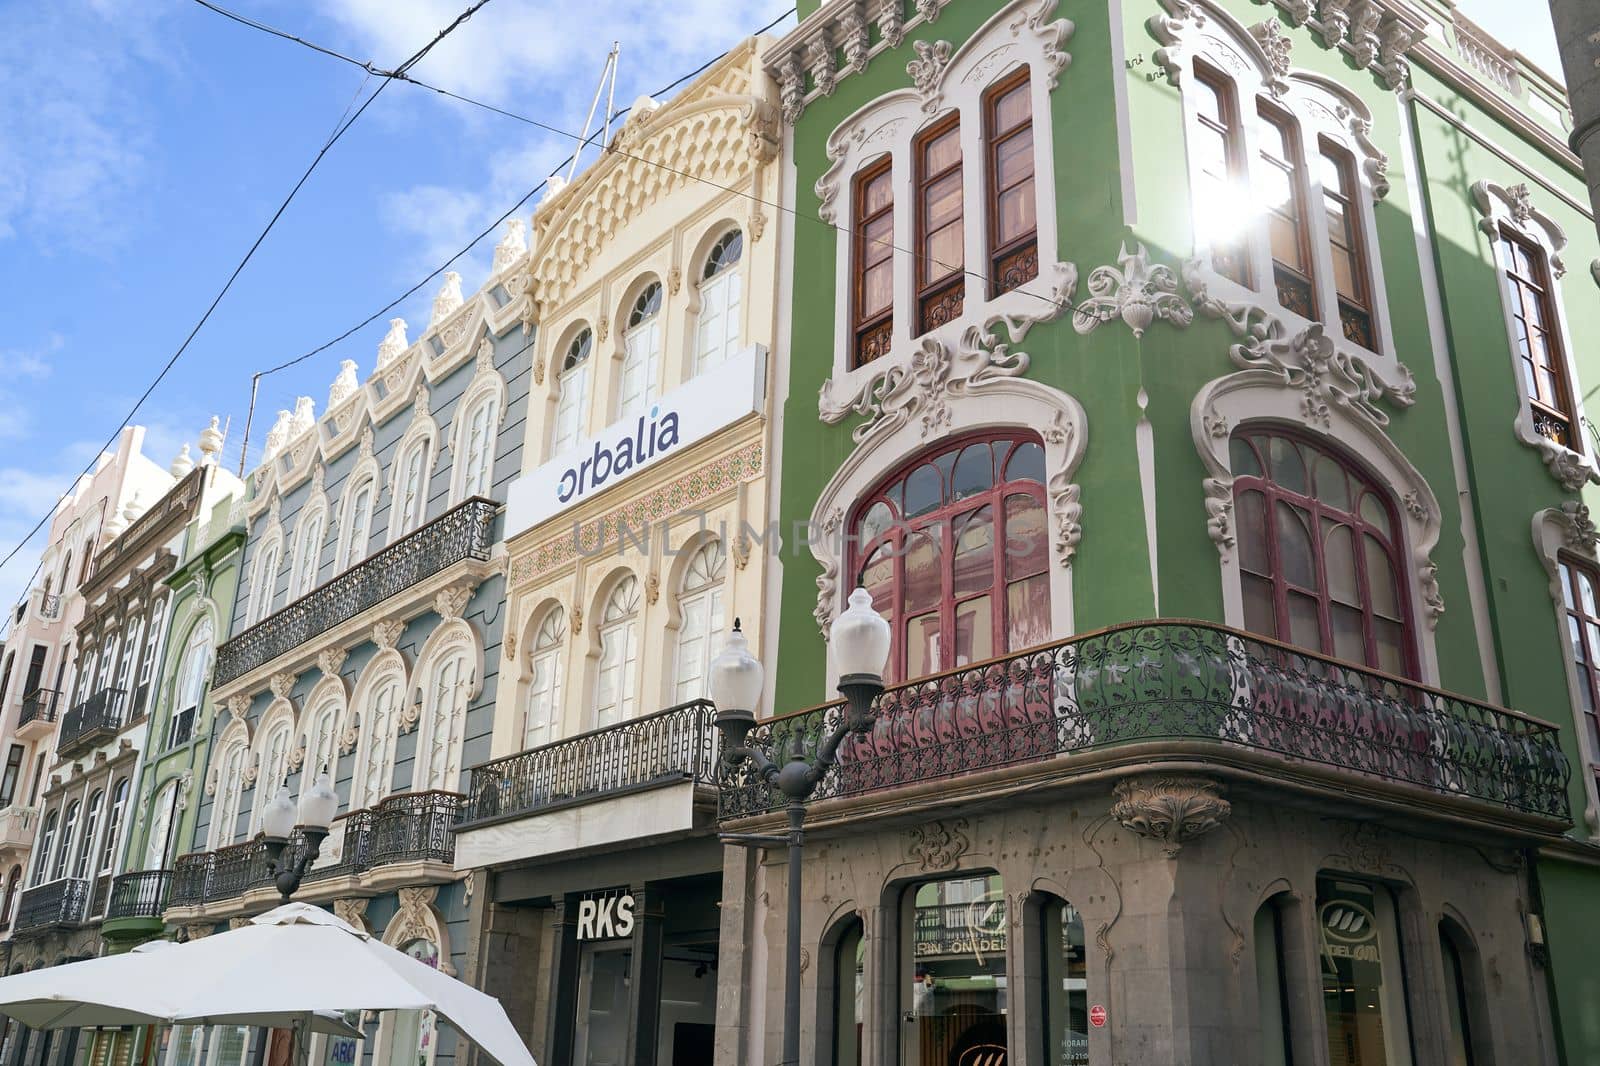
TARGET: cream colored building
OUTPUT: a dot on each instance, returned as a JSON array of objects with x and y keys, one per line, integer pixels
[{"x": 635, "y": 536}]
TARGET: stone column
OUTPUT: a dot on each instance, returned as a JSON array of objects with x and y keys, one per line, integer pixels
[
  {"x": 1577, "y": 24},
  {"x": 562, "y": 993},
  {"x": 644, "y": 988},
  {"x": 737, "y": 979}
]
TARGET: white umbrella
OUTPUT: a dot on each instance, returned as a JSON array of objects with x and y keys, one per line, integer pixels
[{"x": 289, "y": 962}]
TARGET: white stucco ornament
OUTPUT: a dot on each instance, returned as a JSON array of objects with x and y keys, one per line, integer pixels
[
  {"x": 394, "y": 342},
  {"x": 1138, "y": 293}
]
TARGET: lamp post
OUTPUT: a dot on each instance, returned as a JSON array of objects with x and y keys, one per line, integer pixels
[
  {"x": 317, "y": 806},
  {"x": 860, "y": 641}
]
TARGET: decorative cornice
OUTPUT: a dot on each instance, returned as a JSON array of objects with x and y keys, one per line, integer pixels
[{"x": 1377, "y": 34}]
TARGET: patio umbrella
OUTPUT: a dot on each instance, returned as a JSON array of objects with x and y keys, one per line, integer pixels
[{"x": 288, "y": 963}]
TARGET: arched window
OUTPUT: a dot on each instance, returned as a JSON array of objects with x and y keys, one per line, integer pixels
[
  {"x": 412, "y": 499},
  {"x": 478, "y": 449},
  {"x": 261, "y": 583},
  {"x": 274, "y": 765},
  {"x": 941, "y": 277},
  {"x": 1463, "y": 997},
  {"x": 573, "y": 384},
  {"x": 641, "y": 354},
  {"x": 358, "y": 524},
  {"x": 322, "y": 747},
  {"x": 699, "y": 618},
  {"x": 615, "y": 695},
  {"x": 230, "y": 787},
  {"x": 1319, "y": 551},
  {"x": 411, "y": 1037},
  {"x": 69, "y": 836},
  {"x": 849, "y": 992},
  {"x": 193, "y": 672},
  {"x": 119, "y": 807},
  {"x": 544, "y": 678},
  {"x": 445, "y": 720},
  {"x": 86, "y": 842},
  {"x": 152, "y": 641},
  {"x": 954, "y": 552},
  {"x": 721, "y": 294},
  {"x": 47, "y": 841},
  {"x": 66, "y": 571},
  {"x": 953, "y": 978},
  {"x": 375, "y": 775},
  {"x": 307, "y": 553},
  {"x": 158, "y": 841}
]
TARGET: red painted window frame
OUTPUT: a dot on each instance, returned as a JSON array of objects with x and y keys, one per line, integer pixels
[{"x": 1589, "y": 670}]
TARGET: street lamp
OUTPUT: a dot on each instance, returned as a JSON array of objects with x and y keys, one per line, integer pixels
[
  {"x": 860, "y": 641},
  {"x": 318, "y": 804}
]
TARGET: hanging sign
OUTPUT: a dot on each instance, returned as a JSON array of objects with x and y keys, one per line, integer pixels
[{"x": 608, "y": 917}]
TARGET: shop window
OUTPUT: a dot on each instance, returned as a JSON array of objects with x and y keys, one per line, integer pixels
[
  {"x": 699, "y": 618},
  {"x": 1272, "y": 990},
  {"x": 941, "y": 261},
  {"x": 873, "y": 256},
  {"x": 1319, "y": 552},
  {"x": 1012, "y": 207},
  {"x": 1579, "y": 584},
  {"x": 641, "y": 354},
  {"x": 1065, "y": 985},
  {"x": 602, "y": 1031},
  {"x": 954, "y": 551},
  {"x": 953, "y": 977},
  {"x": 544, "y": 678},
  {"x": 721, "y": 297},
  {"x": 849, "y": 987},
  {"x": 616, "y": 679},
  {"x": 1540, "y": 362},
  {"x": 573, "y": 386},
  {"x": 1363, "y": 986}
]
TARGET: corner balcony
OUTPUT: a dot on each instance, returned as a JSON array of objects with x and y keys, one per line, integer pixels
[
  {"x": 38, "y": 715},
  {"x": 58, "y": 904},
  {"x": 407, "y": 839},
  {"x": 95, "y": 720},
  {"x": 17, "y": 825},
  {"x": 457, "y": 543},
  {"x": 646, "y": 777},
  {"x": 1189, "y": 696}
]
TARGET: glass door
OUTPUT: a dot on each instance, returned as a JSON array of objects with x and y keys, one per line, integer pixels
[
  {"x": 602, "y": 1029},
  {"x": 953, "y": 973}
]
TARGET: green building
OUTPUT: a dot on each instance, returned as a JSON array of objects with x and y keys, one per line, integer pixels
[
  {"x": 1193, "y": 386},
  {"x": 204, "y": 584}
]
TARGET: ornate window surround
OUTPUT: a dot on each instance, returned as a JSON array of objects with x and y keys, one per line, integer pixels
[
  {"x": 388, "y": 665},
  {"x": 453, "y": 635},
  {"x": 1558, "y": 531},
  {"x": 278, "y": 716},
  {"x": 949, "y": 80},
  {"x": 315, "y": 507},
  {"x": 328, "y": 691},
  {"x": 487, "y": 384},
  {"x": 1511, "y": 209},
  {"x": 365, "y": 473},
  {"x": 1301, "y": 382},
  {"x": 269, "y": 545},
  {"x": 1256, "y": 61},
  {"x": 425, "y": 428},
  {"x": 235, "y": 735},
  {"x": 977, "y": 387}
]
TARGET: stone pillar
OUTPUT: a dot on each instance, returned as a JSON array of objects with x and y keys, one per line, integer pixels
[
  {"x": 562, "y": 994},
  {"x": 504, "y": 957},
  {"x": 737, "y": 976},
  {"x": 644, "y": 989},
  {"x": 1577, "y": 24},
  {"x": 880, "y": 999}
]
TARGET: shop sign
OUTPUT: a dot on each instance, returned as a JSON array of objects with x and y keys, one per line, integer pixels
[
  {"x": 689, "y": 413},
  {"x": 1097, "y": 1016},
  {"x": 343, "y": 1052},
  {"x": 1349, "y": 931},
  {"x": 607, "y": 917}
]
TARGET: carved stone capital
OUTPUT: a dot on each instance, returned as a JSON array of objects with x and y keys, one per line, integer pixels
[
  {"x": 331, "y": 660},
  {"x": 386, "y": 634},
  {"x": 1172, "y": 809},
  {"x": 281, "y": 685}
]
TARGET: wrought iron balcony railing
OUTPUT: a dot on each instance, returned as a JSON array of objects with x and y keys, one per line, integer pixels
[
  {"x": 462, "y": 533},
  {"x": 679, "y": 743},
  {"x": 38, "y": 706},
  {"x": 142, "y": 894},
  {"x": 1190, "y": 682},
  {"x": 49, "y": 606},
  {"x": 97, "y": 718},
  {"x": 61, "y": 902},
  {"x": 410, "y": 827}
]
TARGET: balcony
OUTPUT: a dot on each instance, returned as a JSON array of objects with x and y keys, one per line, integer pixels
[
  {"x": 366, "y": 850},
  {"x": 38, "y": 715},
  {"x": 142, "y": 894},
  {"x": 674, "y": 747},
  {"x": 17, "y": 825},
  {"x": 59, "y": 903},
  {"x": 46, "y": 605},
  {"x": 463, "y": 533},
  {"x": 1186, "y": 692},
  {"x": 98, "y": 718}
]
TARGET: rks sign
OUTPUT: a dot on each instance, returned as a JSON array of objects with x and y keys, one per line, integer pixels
[{"x": 605, "y": 917}]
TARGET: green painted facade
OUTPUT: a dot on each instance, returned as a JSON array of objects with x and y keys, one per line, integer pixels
[
  {"x": 1438, "y": 140},
  {"x": 205, "y": 584}
]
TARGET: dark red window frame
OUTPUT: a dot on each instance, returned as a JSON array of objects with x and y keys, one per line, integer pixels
[
  {"x": 941, "y": 285},
  {"x": 1014, "y": 258},
  {"x": 872, "y": 329},
  {"x": 1296, "y": 283},
  {"x": 1529, "y": 289},
  {"x": 1018, "y": 567},
  {"x": 1233, "y": 259},
  {"x": 1324, "y": 517},
  {"x": 1355, "y": 301},
  {"x": 1583, "y": 639}
]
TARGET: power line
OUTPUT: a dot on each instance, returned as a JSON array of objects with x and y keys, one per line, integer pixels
[{"x": 256, "y": 244}]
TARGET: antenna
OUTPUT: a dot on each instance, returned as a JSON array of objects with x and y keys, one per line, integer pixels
[{"x": 609, "y": 71}]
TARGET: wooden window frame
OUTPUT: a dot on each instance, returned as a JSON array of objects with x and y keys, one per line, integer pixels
[
  {"x": 948, "y": 289},
  {"x": 1588, "y": 671},
  {"x": 1539, "y": 288},
  {"x": 1016, "y": 262},
  {"x": 867, "y": 331},
  {"x": 1237, "y": 158},
  {"x": 1272, "y": 115},
  {"x": 1272, "y": 492},
  {"x": 1361, "y": 263}
]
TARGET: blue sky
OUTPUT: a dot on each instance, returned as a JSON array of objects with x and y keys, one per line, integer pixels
[{"x": 145, "y": 142}]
